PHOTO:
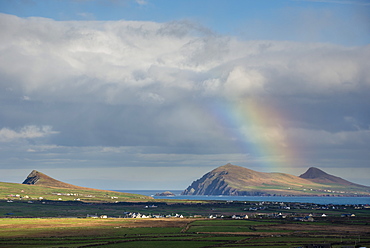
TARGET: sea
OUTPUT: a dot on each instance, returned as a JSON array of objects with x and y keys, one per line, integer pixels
[{"x": 324, "y": 200}]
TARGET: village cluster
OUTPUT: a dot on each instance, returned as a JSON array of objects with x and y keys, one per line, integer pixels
[
  {"x": 263, "y": 209},
  {"x": 309, "y": 217},
  {"x": 329, "y": 191},
  {"x": 58, "y": 197},
  {"x": 265, "y": 205},
  {"x": 137, "y": 216},
  {"x": 259, "y": 211}
]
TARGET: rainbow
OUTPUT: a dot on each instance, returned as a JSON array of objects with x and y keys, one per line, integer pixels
[{"x": 256, "y": 127}]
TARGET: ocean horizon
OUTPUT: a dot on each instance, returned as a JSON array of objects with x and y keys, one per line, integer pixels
[{"x": 337, "y": 200}]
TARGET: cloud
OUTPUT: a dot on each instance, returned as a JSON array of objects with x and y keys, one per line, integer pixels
[
  {"x": 112, "y": 61},
  {"x": 141, "y": 2},
  {"x": 27, "y": 132},
  {"x": 242, "y": 81},
  {"x": 321, "y": 138},
  {"x": 135, "y": 93}
]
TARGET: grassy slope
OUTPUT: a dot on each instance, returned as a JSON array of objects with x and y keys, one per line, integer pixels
[
  {"x": 245, "y": 179},
  {"x": 34, "y": 192}
]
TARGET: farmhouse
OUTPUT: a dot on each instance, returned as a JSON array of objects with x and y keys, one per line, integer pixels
[
  {"x": 306, "y": 218},
  {"x": 239, "y": 217},
  {"x": 347, "y": 215}
]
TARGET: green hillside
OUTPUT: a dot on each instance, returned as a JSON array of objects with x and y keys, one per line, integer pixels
[
  {"x": 16, "y": 191},
  {"x": 39, "y": 186}
]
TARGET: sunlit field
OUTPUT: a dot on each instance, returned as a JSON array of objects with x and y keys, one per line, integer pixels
[{"x": 171, "y": 232}]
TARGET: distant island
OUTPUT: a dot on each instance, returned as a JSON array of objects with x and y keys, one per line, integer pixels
[
  {"x": 166, "y": 193},
  {"x": 228, "y": 180},
  {"x": 239, "y": 181}
]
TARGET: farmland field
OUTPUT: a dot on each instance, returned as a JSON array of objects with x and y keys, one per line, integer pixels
[
  {"x": 175, "y": 232},
  {"x": 206, "y": 224}
]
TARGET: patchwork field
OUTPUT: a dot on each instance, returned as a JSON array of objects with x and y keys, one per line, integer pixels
[
  {"x": 273, "y": 224},
  {"x": 84, "y": 232}
]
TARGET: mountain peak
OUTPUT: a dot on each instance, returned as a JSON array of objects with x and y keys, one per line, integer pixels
[
  {"x": 40, "y": 179},
  {"x": 228, "y": 165},
  {"x": 313, "y": 173},
  {"x": 318, "y": 176},
  {"x": 236, "y": 180},
  {"x": 33, "y": 178}
]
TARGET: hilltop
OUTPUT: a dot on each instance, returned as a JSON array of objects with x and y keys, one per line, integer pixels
[
  {"x": 38, "y": 186},
  {"x": 235, "y": 180},
  {"x": 316, "y": 175},
  {"x": 40, "y": 179}
]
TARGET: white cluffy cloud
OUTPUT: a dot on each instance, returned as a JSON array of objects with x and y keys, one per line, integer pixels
[
  {"x": 27, "y": 132},
  {"x": 125, "y": 61}
]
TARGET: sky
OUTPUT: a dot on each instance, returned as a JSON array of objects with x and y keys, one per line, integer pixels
[{"x": 152, "y": 94}]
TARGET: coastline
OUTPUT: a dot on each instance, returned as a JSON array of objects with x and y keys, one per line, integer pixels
[{"x": 339, "y": 200}]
